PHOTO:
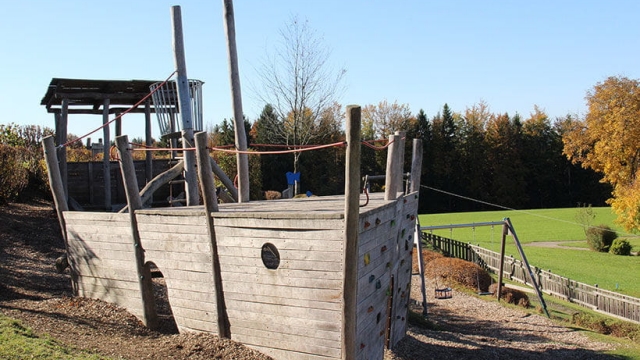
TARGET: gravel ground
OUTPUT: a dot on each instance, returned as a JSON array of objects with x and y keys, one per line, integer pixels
[{"x": 31, "y": 290}]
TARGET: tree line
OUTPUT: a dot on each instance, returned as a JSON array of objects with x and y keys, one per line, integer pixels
[{"x": 472, "y": 160}]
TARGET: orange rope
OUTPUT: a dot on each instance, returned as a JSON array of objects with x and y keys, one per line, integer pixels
[
  {"x": 312, "y": 147},
  {"x": 368, "y": 144},
  {"x": 122, "y": 114}
]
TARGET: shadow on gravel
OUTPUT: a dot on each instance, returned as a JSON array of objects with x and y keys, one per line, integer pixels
[{"x": 411, "y": 348}]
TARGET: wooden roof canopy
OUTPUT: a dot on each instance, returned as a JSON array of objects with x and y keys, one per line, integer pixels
[{"x": 88, "y": 96}]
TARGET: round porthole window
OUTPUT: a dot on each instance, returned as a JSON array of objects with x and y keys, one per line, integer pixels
[{"x": 270, "y": 256}]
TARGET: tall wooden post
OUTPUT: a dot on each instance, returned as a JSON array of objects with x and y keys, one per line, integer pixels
[
  {"x": 118, "y": 124},
  {"x": 351, "y": 233},
  {"x": 236, "y": 97},
  {"x": 393, "y": 176},
  {"x": 55, "y": 182},
  {"x": 416, "y": 166},
  {"x": 148, "y": 156},
  {"x": 62, "y": 151},
  {"x": 106, "y": 164},
  {"x": 208, "y": 188},
  {"x": 399, "y": 172},
  {"x": 135, "y": 202},
  {"x": 184, "y": 99}
]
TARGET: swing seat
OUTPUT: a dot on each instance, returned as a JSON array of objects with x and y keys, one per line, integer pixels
[{"x": 443, "y": 293}]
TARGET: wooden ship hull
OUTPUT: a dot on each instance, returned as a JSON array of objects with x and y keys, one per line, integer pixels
[{"x": 292, "y": 312}]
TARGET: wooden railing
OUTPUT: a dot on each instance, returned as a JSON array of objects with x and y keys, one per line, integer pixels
[{"x": 609, "y": 302}]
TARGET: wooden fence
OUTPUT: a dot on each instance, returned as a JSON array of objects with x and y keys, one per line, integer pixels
[{"x": 609, "y": 302}]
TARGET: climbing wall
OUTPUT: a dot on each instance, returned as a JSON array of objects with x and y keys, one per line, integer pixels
[{"x": 384, "y": 275}]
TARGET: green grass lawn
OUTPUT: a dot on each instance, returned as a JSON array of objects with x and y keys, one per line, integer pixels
[
  {"x": 19, "y": 342},
  {"x": 611, "y": 272}
]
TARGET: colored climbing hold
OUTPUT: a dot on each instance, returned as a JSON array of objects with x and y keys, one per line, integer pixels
[
  {"x": 393, "y": 223},
  {"x": 371, "y": 278},
  {"x": 378, "y": 284},
  {"x": 362, "y": 346},
  {"x": 367, "y": 224},
  {"x": 383, "y": 248},
  {"x": 401, "y": 262},
  {"x": 378, "y": 221},
  {"x": 402, "y": 233},
  {"x": 367, "y": 259},
  {"x": 370, "y": 309},
  {"x": 388, "y": 265},
  {"x": 413, "y": 217}
]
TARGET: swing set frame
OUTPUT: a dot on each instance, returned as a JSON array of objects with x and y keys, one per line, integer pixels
[{"x": 507, "y": 229}]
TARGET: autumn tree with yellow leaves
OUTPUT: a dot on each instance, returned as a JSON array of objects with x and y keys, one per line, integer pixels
[{"x": 607, "y": 140}]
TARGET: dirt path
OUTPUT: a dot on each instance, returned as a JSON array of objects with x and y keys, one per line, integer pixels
[{"x": 558, "y": 244}]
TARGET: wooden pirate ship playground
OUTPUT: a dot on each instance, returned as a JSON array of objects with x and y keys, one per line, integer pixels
[
  {"x": 314, "y": 278},
  {"x": 323, "y": 277}
]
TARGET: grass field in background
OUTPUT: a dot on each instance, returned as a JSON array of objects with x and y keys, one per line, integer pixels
[{"x": 611, "y": 272}]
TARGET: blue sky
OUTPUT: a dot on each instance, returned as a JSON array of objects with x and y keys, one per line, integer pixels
[{"x": 511, "y": 54}]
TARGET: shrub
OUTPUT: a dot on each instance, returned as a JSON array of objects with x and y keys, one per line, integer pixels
[
  {"x": 511, "y": 296},
  {"x": 427, "y": 255},
  {"x": 459, "y": 271},
  {"x": 14, "y": 173},
  {"x": 272, "y": 195},
  {"x": 620, "y": 247},
  {"x": 600, "y": 237}
]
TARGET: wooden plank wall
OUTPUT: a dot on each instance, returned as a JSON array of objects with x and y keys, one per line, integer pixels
[
  {"x": 385, "y": 246},
  {"x": 86, "y": 182},
  {"x": 294, "y": 311},
  {"x": 180, "y": 247},
  {"x": 101, "y": 253}
]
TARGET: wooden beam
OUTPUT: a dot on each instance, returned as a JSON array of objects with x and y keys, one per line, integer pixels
[
  {"x": 133, "y": 97},
  {"x": 98, "y": 111},
  {"x": 62, "y": 151},
  {"x": 55, "y": 182},
  {"x": 351, "y": 233},
  {"x": 391, "y": 184},
  {"x": 184, "y": 99},
  {"x": 146, "y": 194},
  {"x": 118, "y": 124},
  {"x": 106, "y": 165},
  {"x": 148, "y": 140},
  {"x": 224, "y": 179},
  {"x": 150, "y": 316},
  {"x": 208, "y": 188},
  {"x": 416, "y": 166},
  {"x": 242, "y": 160}
]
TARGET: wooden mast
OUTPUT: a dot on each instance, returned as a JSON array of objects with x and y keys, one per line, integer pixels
[
  {"x": 184, "y": 100},
  {"x": 351, "y": 233},
  {"x": 236, "y": 97}
]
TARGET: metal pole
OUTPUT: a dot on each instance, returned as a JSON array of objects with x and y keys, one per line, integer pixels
[
  {"x": 526, "y": 263},
  {"x": 184, "y": 99}
]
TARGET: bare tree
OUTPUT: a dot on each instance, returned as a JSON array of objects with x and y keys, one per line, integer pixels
[{"x": 298, "y": 81}]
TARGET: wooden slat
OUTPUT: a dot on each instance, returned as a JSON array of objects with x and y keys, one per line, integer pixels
[
  {"x": 328, "y": 295},
  {"x": 306, "y": 303},
  {"x": 183, "y": 230},
  {"x": 192, "y": 325},
  {"x": 187, "y": 220},
  {"x": 285, "y": 254},
  {"x": 293, "y": 342},
  {"x": 303, "y": 283},
  {"x": 295, "y": 234},
  {"x": 263, "y": 271},
  {"x": 305, "y": 332},
  {"x": 284, "y": 320},
  {"x": 303, "y": 224},
  {"x": 286, "y": 311},
  {"x": 284, "y": 264},
  {"x": 290, "y": 244},
  {"x": 289, "y": 355}
]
